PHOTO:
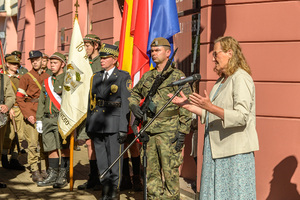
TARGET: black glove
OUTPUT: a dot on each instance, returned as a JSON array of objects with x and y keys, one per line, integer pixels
[
  {"x": 122, "y": 137},
  {"x": 135, "y": 109},
  {"x": 179, "y": 137}
]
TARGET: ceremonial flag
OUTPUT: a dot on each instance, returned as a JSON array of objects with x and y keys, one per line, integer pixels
[
  {"x": 164, "y": 23},
  {"x": 76, "y": 85},
  {"x": 126, "y": 40}
]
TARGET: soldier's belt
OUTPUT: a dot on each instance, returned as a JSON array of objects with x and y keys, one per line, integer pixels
[
  {"x": 48, "y": 115},
  {"x": 169, "y": 113},
  {"x": 32, "y": 100},
  {"x": 102, "y": 103}
]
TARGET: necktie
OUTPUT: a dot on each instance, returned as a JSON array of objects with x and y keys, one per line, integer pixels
[{"x": 105, "y": 76}]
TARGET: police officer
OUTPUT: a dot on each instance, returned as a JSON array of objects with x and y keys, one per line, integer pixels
[
  {"x": 47, "y": 116},
  {"x": 12, "y": 65},
  {"x": 107, "y": 119},
  {"x": 22, "y": 70},
  {"x": 92, "y": 44},
  {"x": 9, "y": 100},
  {"x": 27, "y": 99},
  {"x": 168, "y": 131}
]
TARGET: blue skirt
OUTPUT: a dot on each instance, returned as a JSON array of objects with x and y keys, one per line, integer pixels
[{"x": 231, "y": 178}]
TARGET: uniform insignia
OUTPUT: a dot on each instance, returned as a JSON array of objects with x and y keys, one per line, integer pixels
[
  {"x": 31, "y": 52},
  {"x": 114, "y": 88},
  {"x": 129, "y": 85}
]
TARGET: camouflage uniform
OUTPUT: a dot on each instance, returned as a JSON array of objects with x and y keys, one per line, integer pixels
[{"x": 161, "y": 153}]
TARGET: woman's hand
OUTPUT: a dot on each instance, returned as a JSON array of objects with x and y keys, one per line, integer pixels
[
  {"x": 200, "y": 101},
  {"x": 180, "y": 101}
]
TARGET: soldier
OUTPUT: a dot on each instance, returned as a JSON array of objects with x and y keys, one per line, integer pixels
[
  {"x": 107, "y": 119},
  {"x": 45, "y": 60},
  {"x": 22, "y": 70},
  {"x": 46, "y": 124},
  {"x": 27, "y": 99},
  {"x": 92, "y": 45},
  {"x": 168, "y": 131},
  {"x": 13, "y": 64},
  {"x": 9, "y": 100}
]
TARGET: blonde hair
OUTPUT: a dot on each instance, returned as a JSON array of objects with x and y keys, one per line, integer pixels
[{"x": 237, "y": 60}]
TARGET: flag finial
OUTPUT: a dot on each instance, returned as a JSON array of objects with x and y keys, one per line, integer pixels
[{"x": 76, "y": 5}]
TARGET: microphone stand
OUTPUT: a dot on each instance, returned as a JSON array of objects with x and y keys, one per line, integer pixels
[{"x": 142, "y": 131}]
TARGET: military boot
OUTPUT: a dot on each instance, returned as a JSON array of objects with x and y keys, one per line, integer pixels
[
  {"x": 114, "y": 193},
  {"x": 62, "y": 180},
  {"x": 51, "y": 178},
  {"x": 14, "y": 164},
  {"x": 93, "y": 181},
  {"x": 4, "y": 161},
  {"x": 44, "y": 174},
  {"x": 126, "y": 183},
  {"x": 137, "y": 184},
  {"x": 105, "y": 192},
  {"x": 36, "y": 176}
]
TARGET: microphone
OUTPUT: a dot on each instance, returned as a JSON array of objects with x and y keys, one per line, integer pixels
[{"x": 192, "y": 78}]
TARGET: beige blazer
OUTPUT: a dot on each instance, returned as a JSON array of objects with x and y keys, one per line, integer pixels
[{"x": 237, "y": 133}]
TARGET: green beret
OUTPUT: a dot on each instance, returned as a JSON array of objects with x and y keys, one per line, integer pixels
[
  {"x": 58, "y": 56},
  {"x": 109, "y": 50},
  {"x": 13, "y": 59},
  {"x": 91, "y": 37},
  {"x": 160, "y": 41},
  {"x": 17, "y": 53}
]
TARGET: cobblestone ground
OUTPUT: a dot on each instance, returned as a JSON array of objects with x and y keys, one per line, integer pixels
[{"x": 20, "y": 185}]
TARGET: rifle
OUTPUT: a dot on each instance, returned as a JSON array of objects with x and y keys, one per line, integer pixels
[
  {"x": 16, "y": 138},
  {"x": 148, "y": 104}
]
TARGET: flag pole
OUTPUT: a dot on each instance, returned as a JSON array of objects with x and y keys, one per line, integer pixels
[
  {"x": 72, "y": 134},
  {"x": 71, "y": 160}
]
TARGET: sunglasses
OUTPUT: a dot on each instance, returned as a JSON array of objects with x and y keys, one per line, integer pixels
[{"x": 215, "y": 53}]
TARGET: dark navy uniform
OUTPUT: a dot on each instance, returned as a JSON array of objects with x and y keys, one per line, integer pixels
[
  {"x": 107, "y": 119},
  {"x": 108, "y": 115}
]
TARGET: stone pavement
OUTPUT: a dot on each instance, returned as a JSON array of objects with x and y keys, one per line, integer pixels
[{"x": 20, "y": 185}]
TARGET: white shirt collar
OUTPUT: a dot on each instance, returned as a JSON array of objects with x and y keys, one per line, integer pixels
[{"x": 109, "y": 72}]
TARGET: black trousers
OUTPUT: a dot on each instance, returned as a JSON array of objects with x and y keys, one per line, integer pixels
[{"x": 107, "y": 150}]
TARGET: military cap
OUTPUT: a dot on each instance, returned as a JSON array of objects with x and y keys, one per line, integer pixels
[
  {"x": 35, "y": 54},
  {"x": 13, "y": 59},
  {"x": 45, "y": 56},
  {"x": 91, "y": 37},
  {"x": 6, "y": 55},
  {"x": 109, "y": 50},
  {"x": 160, "y": 41},
  {"x": 17, "y": 53},
  {"x": 117, "y": 43},
  {"x": 58, "y": 56}
]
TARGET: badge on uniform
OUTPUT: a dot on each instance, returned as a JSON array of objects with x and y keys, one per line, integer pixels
[
  {"x": 114, "y": 88},
  {"x": 128, "y": 85}
]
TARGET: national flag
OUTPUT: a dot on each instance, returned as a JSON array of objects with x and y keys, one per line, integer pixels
[
  {"x": 126, "y": 40},
  {"x": 77, "y": 81},
  {"x": 164, "y": 23}
]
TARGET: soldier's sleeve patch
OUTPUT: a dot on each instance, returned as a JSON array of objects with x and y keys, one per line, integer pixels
[{"x": 129, "y": 85}]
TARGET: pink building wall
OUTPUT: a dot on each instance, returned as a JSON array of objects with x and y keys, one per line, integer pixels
[
  {"x": 269, "y": 34},
  {"x": 46, "y": 25}
]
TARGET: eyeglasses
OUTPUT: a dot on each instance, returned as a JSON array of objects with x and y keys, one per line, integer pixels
[{"x": 215, "y": 53}]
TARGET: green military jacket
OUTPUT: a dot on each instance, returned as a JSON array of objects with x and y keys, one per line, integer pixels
[
  {"x": 177, "y": 122},
  {"x": 22, "y": 70},
  {"x": 46, "y": 105},
  {"x": 96, "y": 64},
  {"x": 9, "y": 95}
]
